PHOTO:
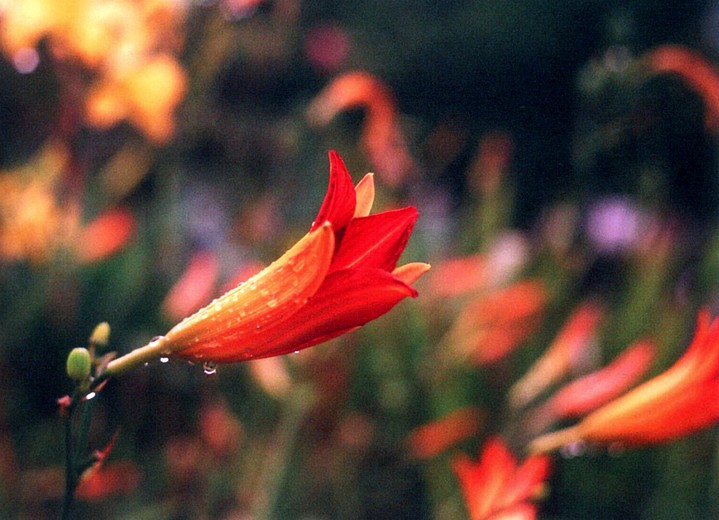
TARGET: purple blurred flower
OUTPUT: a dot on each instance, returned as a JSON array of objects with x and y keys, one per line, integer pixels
[{"x": 614, "y": 224}]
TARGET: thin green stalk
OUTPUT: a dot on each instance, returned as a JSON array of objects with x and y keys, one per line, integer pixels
[
  {"x": 276, "y": 466},
  {"x": 70, "y": 484}
]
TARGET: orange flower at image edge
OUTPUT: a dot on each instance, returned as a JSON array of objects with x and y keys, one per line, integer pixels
[
  {"x": 496, "y": 487},
  {"x": 678, "y": 402},
  {"x": 339, "y": 276}
]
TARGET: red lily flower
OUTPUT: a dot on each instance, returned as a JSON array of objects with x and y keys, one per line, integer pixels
[
  {"x": 496, "y": 488},
  {"x": 676, "y": 403},
  {"x": 696, "y": 70},
  {"x": 587, "y": 393},
  {"x": 593, "y": 390},
  {"x": 339, "y": 276}
]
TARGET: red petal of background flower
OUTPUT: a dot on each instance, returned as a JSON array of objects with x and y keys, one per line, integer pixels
[
  {"x": 194, "y": 288},
  {"x": 376, "y": 240},
  {"x": 591, "y": 391},
  {"x": 338, "y": 206},
  {"x": 105, "y": 235}
]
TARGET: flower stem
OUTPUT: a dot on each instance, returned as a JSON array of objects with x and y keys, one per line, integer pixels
[
  {"x": 277, "y": 464},
  {"x": 555, "y": 440},
  {"x": 153, "y": 350},
  {"x": 70, "y": 480}
]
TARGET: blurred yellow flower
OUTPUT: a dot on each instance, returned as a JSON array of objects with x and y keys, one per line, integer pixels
[{"x": 128, "y": 46}]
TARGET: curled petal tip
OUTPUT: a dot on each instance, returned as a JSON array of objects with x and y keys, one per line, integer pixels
[
  {"x": 410, "y": 273},
  {"x": 364, "y": 192}
]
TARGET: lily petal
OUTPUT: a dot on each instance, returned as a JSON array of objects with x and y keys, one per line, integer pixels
[
  {"x": 375, "y": 241},
  {"x": 338, "y": 206},
  {"x": 410, "y": 273},
  {"x": 346, "y": 300},
  {"x": 267, "y": 298},
  {"x": 365, "y": 195}
]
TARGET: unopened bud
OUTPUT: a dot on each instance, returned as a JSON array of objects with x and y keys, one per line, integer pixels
[
  {"x": 101, "y": 335},
  {"x": 78, "y": 364}
]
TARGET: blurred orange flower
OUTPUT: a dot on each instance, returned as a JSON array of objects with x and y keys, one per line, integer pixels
[
  {"x": 194, "y": 288},
  {"x": 563, "y": 354},
  {"x": 587, "y": 393},
  {"x": 127, "y": 46},
  {"x": 698, "y": 72},
  {"x": 382, "y": 137},
  {"x": 496, "y": 487},
  {"x": 491, "y": 163},
  {"x": 35, "y": 224},
  {"x": 676, "y": 403},
  {"x": 113, "y": 478},
  {"x": 466, "y": 275},
  {"x": 146, "y": 96},
  {"x": 429, "y": 440},
  {"x": 104, "y": 236},
  {"x": 492, "y": 325}
]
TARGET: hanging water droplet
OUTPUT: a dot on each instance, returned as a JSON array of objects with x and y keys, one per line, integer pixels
[
  {"x": 164, "y": 359},
  {"x": 89, "y": 396},
  {"x": 209, "y": 368},
  {"x": 573, "y": 449},
  {"x": 616, "y": 449}
]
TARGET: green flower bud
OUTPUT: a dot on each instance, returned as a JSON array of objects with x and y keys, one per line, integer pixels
[
  {"x": 79, "y": 364},
  {"x": 101, "y": 335}
]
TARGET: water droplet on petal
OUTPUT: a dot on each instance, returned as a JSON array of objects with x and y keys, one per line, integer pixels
[
  {"x": 156, "y": 339},
  {"x": 209, "y": 368},
  {"x": 89, "y": 396},
  {"x": 299, "y": 265},
  {"x": 272, "y": 303}
]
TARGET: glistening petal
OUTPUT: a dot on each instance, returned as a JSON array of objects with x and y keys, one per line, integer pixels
[
  {"x": 260, "y": 303},
  {"x": 375, "y": 241},
  {"x": 338, "y": 206},
  {"x": 346, "y": 300}
]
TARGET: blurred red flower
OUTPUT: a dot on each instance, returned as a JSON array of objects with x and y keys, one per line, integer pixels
[
  {"x": 339, "y": 276},
  {"x": 676, "y": 403},
  {"x": 496, "y": 487},
  {"x": 105, "y": 236},
  {"x": 564, "y": 354},
  {"x": 382, "y": 137},
  {"x": 696, "y": 70},
  {"x": 493, "y": 325},
  {"x": 194, "y": 288},
  {"x": 429, "y": 440},
  {"x": 587, "y": 393}
]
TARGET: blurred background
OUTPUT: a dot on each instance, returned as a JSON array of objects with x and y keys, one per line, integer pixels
[{"x": 156, "y": 152}]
